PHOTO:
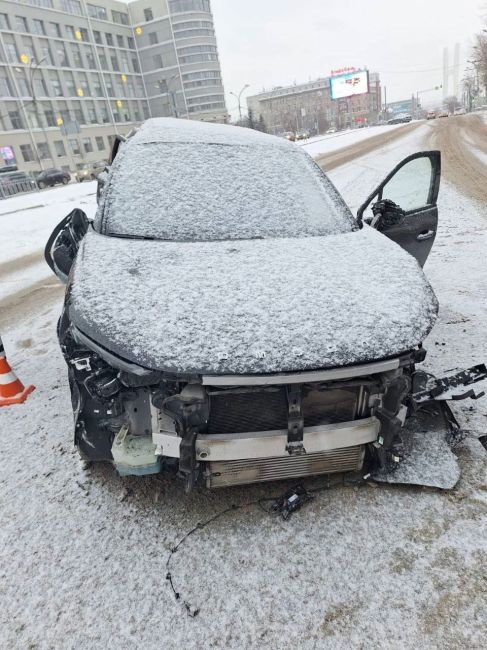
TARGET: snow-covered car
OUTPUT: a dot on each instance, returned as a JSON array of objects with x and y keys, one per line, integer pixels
[
  {"x": 431, "y": 115},
  {"x": 227, "y": 316},
  {"x": 460, "y": 111},
  {"x": 443, "y": 114}
]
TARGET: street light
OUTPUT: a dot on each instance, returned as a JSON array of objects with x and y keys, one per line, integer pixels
[
  {"x": 238, "y": 97},
  {"x": 163, "y": 86},
  {"x": 33, "y": 67}
]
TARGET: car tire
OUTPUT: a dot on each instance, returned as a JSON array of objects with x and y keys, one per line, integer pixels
[
  {"x": 65, "y": 181},
  {"x": 41, "y": 185}
]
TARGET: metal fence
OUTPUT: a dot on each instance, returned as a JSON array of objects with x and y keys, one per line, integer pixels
[{"x": 11, "y": 187}]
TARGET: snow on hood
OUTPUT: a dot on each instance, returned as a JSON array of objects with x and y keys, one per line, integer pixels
[{"x": 251, "y": 306}]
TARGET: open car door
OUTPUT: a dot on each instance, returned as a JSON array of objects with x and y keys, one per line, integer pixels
[{"x": 404, "y": 206}]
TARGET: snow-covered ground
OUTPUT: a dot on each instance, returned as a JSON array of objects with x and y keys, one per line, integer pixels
[
  {"x": 83, "y": 552},
  {"x": 321, "y": 144}
]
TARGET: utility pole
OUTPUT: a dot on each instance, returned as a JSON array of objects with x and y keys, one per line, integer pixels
[
  {"x": 33, "y": 67},
  {"x": 238, "y": 97}
]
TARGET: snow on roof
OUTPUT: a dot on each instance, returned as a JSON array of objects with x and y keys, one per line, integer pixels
[
  {"x": 190, "y": 181},
  {"x": 168, "y": 129},
  {"x": 252, "y": 306}
]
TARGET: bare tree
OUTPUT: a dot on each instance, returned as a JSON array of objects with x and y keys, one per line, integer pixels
[{"x": 451, "y": 103}]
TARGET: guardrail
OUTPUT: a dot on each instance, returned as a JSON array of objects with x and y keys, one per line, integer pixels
[{"x": 10, "y": 187}]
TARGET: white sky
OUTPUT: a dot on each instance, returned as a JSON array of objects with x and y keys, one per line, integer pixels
[{"x": 268, "y": 43}]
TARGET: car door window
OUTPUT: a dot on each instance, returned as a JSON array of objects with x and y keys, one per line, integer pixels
[{"x": 410, "y": 186}]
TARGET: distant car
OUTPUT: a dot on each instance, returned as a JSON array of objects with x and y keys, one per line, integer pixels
[
  {"x": 302, "y": 135},
  {"x": 90, "y": 171},
  {"x": 402, "y": 118},
  {"x": 431, "y": 115},
  {"x": 443, "y": 114},
  {"x": 51, "y": 177},
  {"x": 460, "y": 111},
  {"x": 331, "y": 130},
  {"x": 481, "y": 108},
  {"x": 289, "y": 135}
]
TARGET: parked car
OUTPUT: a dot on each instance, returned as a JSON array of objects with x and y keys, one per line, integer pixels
[
  {"x": 431, "y": 115},
  {"x": 51, "y": 177},
  {"x": 289, "y": 135},
  {"x": 403, "y": 118},
  {"x": 302, "y": 135},
  {"x": 460, "y": 111},
  {"x": 228, "y": 317},
  {"x": 443, "y": 114},
  {"x": 90, "y": 171},
  {"x": 331, "y": 130}
]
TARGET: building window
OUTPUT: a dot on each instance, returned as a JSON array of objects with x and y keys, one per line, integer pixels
[
  {"x": 178, "y": 6},
  {"x": 60, "y": 148},
  {"x": 125, "y": 62},
  {"x": 148, "y": 15},
  {"x": 5, "y": 88},
  {"x": 11, "y": 52},
  {"x": 28, "y": 47},
  {"x": 135, "y": 64},
  {"x": 103, "y": 61},
  {"x": 38, "y": 27},
  {"x": 120, "y": 40},
  {"x": 16, "y": 120},
  {"x": 153, "y": 40},
  {"x": 105, "y": 118},
  {"x": 84, "y": 34},
  {"x": 74, "y": 146},
  {"x": 97, "y": 36},
  {"x": 21, "y": 24},
  {"x": 92, "y": 117},
  {"x": 120, "y": 17},
  {"x": 72, "y": 7},
  {"x": 70, "y": 85},
  {"x": 78, "y": 61},
  {"x": 109, "y": 38},
  {"x": 90, "y": 58},
  {"x": 198, "y": 58},
  {"x": 55, "y": 83},
  {"x": 62, "y": 57},
  {"x": 157, "y": 59},
  {"x": 47, "y": 4},
  {"x": 95, "y": 11},
  {"x": 98, "y": 90},
  {"x": 115, "y": 65},
  {"x": 131, "y": 42},
  {"x": 79, "y": 116},
  {"x": 43, "y": 150},
  {"x": 50, "y": 117},
  {"x": 100, "y": 144},
  {"x": 46, "y": 52},
  {"x": 4, "y": 23},
  {"x": 27, "y": 153},
  {"x": 87, "y": 146},
  {"x": 40, "y": 87},
  {"x": 55, "y": 29},
  {"x": 83, "y": 82}
]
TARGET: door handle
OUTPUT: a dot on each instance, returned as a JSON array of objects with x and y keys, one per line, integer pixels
[{"x": 427, "y": 234}]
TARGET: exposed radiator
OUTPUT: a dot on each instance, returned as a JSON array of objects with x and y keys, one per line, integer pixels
[{"x": 239, "y": 472}]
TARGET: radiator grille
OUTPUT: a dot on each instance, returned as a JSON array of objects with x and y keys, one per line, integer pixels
[
  {"x": 240, "y": 472},
  {"x": 248, "y": 411}
]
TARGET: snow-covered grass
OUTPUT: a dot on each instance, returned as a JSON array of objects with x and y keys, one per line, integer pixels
[{"x": 83, "y": 552}]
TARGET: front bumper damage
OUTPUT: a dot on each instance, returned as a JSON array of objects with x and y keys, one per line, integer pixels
[{"x": 233, "y": 430}]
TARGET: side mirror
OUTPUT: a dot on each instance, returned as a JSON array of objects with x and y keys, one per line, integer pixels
[{"x": 63, "y": 244}]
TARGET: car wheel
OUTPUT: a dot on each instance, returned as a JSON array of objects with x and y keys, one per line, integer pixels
[
  {"x": 65, "y": 181},
  {"x": 41, "y": 185}
]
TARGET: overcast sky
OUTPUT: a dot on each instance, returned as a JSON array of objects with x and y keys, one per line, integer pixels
[{"x": 268, "y": 43}]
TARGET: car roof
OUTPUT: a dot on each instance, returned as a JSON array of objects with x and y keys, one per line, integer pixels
[{"x": 172, "y": 130}]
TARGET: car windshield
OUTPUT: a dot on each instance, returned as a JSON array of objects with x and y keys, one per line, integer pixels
[{"x": 209, "y": 192}]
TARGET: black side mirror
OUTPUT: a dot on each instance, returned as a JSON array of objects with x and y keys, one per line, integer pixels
[{"x": 62, "y": 246}]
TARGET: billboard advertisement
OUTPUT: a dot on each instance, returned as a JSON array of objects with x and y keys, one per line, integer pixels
[{"x": 352, "y": 83}]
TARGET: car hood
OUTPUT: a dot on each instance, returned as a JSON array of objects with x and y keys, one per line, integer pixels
[{"x": 251, "y": 306}]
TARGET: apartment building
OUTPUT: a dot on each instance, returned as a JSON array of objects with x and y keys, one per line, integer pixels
[
  {"x": 74, "y": 73},
  {"x": 309, "y": 106}
]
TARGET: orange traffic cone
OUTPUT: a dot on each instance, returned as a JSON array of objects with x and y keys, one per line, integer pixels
[{"x": 12, "y": 391}]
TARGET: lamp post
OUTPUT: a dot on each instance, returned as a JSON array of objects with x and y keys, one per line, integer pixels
[
  {"x": 238, "y": 98},
  {"x": 33, "y": 67},
  {"x": 163, "y": 86}
]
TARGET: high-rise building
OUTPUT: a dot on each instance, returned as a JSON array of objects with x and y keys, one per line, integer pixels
[
  {"x": 74, "y": 73},
  {"x": 309, "y": 106}
]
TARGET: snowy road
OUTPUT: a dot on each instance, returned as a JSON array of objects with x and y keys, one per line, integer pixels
[{"x": 83, "y": 552}]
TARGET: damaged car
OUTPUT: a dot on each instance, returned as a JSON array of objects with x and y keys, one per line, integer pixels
[{"x": 227, "y": 317}]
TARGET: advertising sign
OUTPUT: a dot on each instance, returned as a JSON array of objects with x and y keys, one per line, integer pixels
[
  {"x": 7, "y": 153},
  {"x": 347, "y": 85}
]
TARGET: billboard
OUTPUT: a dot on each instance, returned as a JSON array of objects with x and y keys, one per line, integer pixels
[{"x": 352, "y": 83}]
